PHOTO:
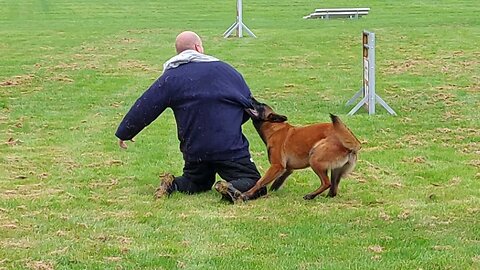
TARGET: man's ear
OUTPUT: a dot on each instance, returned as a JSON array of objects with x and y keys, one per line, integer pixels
[{"x": 276, "y": 118}]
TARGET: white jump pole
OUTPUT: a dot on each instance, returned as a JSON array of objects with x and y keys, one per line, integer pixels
[
  {"x": 238, "y": 24},
  {"x": 369, "y": 97}
]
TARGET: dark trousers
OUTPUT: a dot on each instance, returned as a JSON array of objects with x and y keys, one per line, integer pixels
[{"x": 200, "y": 176}]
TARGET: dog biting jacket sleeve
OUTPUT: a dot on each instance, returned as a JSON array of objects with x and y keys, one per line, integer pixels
[{"x": 208, "y": 100}]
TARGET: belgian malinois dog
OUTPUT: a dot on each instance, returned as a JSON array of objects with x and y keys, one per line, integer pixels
[{"x": 323, "y": 147}]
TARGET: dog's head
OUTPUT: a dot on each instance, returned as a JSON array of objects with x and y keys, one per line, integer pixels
[{"x": 264, "y": 113}]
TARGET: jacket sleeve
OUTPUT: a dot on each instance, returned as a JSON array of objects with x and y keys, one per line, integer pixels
[
  {"x": 145, "y": 110},
  {"x": 245, "y": 97}
]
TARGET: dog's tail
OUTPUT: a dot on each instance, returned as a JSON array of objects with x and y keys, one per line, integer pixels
[{"x": 344, "y": 134}]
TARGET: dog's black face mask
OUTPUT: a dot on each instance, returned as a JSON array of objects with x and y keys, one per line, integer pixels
[{"x": 262, "y": 112}]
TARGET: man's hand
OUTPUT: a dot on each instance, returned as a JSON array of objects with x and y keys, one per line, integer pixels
[{"x": 122, "y": 143}]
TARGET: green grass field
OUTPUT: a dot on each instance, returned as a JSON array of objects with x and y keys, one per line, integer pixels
[{"x": 71, "y": 199}]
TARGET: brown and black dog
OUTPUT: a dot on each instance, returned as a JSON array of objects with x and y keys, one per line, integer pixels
[{"x": 323, "y": 147}]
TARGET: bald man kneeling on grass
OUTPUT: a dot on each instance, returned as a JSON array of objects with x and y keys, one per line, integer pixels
[{"x": 208, "y": 98}]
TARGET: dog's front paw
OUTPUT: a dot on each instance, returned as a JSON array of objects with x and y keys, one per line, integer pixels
[{"x": 309, "y": 197}]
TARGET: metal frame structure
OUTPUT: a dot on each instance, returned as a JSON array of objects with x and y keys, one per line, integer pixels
[
  {"x": 368, "y": 88},
  {"x": 238, "y": 24},
  {"x": 327, "y": 13}
]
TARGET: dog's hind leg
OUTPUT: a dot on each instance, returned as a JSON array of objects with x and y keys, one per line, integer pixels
[
  {"x": 335, "y": 180},
  {"x": 320, "y": 162},
  {"x": 280, "y": 180},
  {"x": 338, "y": 173},
  {"x": 325, "y": 183}
]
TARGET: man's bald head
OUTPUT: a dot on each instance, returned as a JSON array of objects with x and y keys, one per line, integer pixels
[{"x": 188, "y": 40}]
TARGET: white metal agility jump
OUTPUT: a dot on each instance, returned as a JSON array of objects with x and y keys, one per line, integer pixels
[
  {"x": 238, "y": 25},
  {"x": 369, "y": 97}
]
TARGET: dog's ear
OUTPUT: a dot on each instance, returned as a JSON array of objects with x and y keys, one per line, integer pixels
[
  {"x": 276, "y": 118},
  {"x": 252, "y": 112},
  {"x": 256, "y": 109}
]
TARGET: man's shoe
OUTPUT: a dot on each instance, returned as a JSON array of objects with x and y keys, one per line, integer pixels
[
  {"x": 166, "y": 186},
  {"x": 228, "y": 191}
]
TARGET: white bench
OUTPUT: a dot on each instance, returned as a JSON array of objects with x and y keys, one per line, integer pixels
[{"x": 327, "y": 13}]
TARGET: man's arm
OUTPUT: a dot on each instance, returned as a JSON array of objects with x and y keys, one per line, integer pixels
[{"x": 145, "y": 110}]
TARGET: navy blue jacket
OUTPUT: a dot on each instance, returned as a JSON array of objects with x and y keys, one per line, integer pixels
[{"x": 208, "y": 100}]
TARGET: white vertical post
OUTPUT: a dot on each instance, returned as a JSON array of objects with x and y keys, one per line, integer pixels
[
  {"x": 371, "y": 71},
  {"x": 240, "y": 17}
]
